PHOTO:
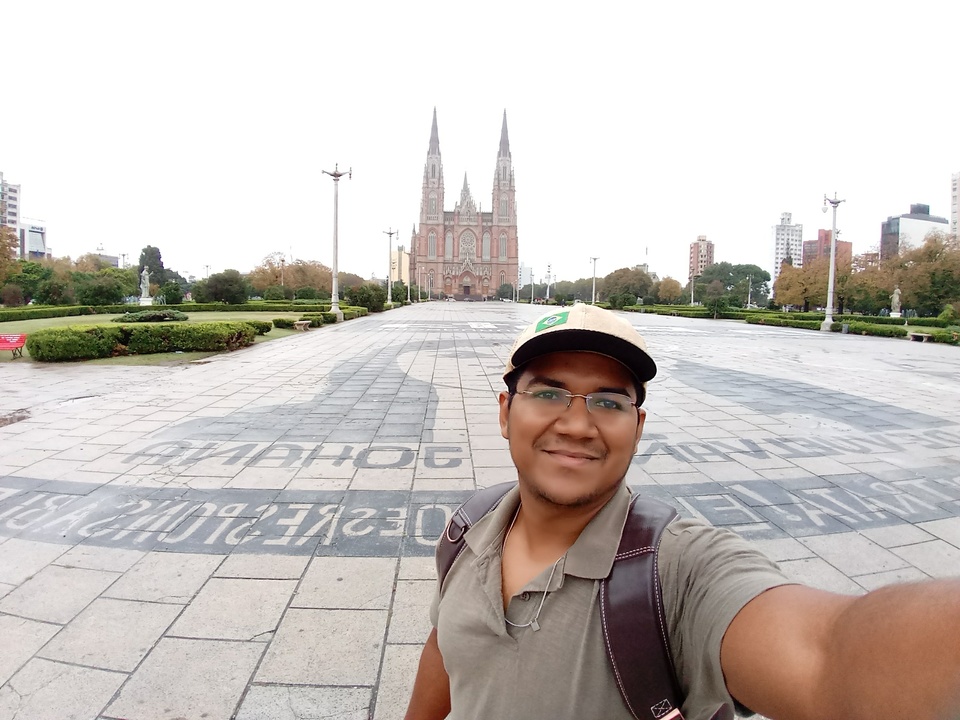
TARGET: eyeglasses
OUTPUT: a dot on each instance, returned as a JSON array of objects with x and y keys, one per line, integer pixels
[{"x": 601, "y": 404}]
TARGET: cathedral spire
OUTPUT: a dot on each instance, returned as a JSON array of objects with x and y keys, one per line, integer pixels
[
  {"x": 466, "y": 188},
  {"x": 504, "y": 140},
  {"x": 435, "y": 135}
]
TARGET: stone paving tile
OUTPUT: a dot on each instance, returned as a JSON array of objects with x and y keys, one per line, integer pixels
[
  {"x": 91, "y": 557},
  {"x": 262, "y": 478},
  {"x": 165, "y": 577},
  {"x": 410, "y": 618},
  {"x": 235, "y": 609},
  {"x": 188, "y": 679},
  {"x": 382, "y": 479},
  {"x": 819, "y": 574},
  {"x": 55, "y": 691},
  {"x": 5, "y": 588},
  {"x": 947, "y": 529},
  {"x": 780, "y": 549},
  {"x": 936, "y": 558},
  {"x": 274, "y": 702},
  {"x": 896, "y": 535},
  {"x": 111, "y": 634},
  {"x": 853, "y": 554},
  {"x": 21, "y": 559},
  {"x": 891, "y": 577},
  {"x": 396, "y": 681},
  {"x": 57, "y": 594},
  {"x": 21, "y": 639},
  {"x": 350, "y": 654},
  {"x": 347, "y": 582},
  {"x": 263, "y": 567}
]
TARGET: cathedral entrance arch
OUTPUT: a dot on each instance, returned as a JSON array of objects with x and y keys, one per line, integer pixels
[{"x": 467, "y": 283}]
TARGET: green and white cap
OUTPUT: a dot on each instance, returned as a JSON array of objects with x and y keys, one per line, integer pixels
[{"x": 583, "y": 328}]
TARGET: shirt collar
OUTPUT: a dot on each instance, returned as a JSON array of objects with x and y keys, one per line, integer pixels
[{"x": 591, "y": 556}]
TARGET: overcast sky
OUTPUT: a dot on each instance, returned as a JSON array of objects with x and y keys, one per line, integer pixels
[{"x": 202, "y": 127}]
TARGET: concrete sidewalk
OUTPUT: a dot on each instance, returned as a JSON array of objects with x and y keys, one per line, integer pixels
[{"x": 252, "y": 536}]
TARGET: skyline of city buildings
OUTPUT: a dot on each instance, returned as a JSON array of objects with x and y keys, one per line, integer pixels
[
  {"x": 31, "y": 234},
  {"x": 466, "y": 252},
  {"x": 701, "y": 257},
  {"x": 910, "y": 229},
  {"x": 787, "y": 243}
]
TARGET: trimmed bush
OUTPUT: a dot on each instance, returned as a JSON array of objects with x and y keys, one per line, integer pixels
[
  {"x": 316, "y": 319},
  {"x": 261, "y": 326},
  {"x": 785, "y": 322},
  {"x": 862, "y": 328},
  {"x": 950, "y": 337},
  {"x": 285, "y": 323},
  {"x": 151, "y": 316},
  {"x": 79, "y": 342}
]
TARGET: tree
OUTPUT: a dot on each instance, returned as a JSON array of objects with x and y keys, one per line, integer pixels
[
  {"x": 90, "y": 263},
  {"x": 630, "y": 281},
  {"x": 716, "y": 297},
  {"x": 505, "y": 292},
  {"x": 399, "y": 291},
  {"x": 227, "y": 287},
  {"x": 670, "y": 291},
  {"x": 171, "y": 292},
  {"x": 31, "y": 274},
  {"x": 278, "y": 292},
  {"x": 11, "y": 295},
  {"x": 99, "y": 289},
  {"x": 368, "y": 295},
  {"x": 54, "y": 291},
  {"x": 200, "y": 292},
  {"x": 150, "y": 258},
  {"x": 8, "y": 249}
]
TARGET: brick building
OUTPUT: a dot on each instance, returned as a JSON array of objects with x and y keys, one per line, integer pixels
[
  {"x": 820, "y": 248},
  {"x": 465, "y": 252}
]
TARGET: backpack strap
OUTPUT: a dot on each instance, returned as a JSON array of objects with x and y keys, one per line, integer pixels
[
  {"x": 631, "y": 611},
  {"x": 475, "y": 507}
]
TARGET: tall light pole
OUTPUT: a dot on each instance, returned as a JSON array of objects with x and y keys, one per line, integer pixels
[
  {"x": 403, "y": 249},
  {"x": 282, "y": 263},
  {"x": 391, "y": 233},
  {"x": 593, "y": 294},
  {"x": 693, "y": 280},
  {"x": 549, "y": 269},
  {"x": 533, "y": 285},
  {"x": 828, "y": 320},
  {"x": 335, "y": 295},
  {"x": 749, "y": 288},
  {"x": 207, "y": 268}
]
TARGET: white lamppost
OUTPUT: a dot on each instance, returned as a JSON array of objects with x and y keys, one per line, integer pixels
[
  {"x": 335, "y": 294},
  {"x": 391, "y": 233},
  {"x": 403, "y": 249},
  {"x": 593, "y": 294},
  {"x": 834, "y": 203}
]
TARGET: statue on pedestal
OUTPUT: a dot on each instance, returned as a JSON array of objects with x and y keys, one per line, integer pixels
[
  {"x": 145, "y": 283},
  {"x": 895, "y": 302}
]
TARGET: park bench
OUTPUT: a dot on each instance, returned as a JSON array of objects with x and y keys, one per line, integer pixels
[
  {"x": 302, "y": 325},
  {"x": 13, "y": 343},
  {"x": 919, "y": 337}
]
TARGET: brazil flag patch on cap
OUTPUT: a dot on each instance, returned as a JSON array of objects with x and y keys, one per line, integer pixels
[{"x": 552, "y": 321}]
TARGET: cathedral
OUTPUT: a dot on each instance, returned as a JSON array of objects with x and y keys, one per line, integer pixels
[{"x": 466, "y": 253}]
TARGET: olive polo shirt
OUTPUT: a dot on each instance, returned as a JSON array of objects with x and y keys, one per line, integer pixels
[{"x": 562, "y": 670}]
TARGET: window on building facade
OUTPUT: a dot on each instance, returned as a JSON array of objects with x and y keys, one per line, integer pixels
[
  {"x": 432, "y": 245},
  {"x": 433, "y": 172},
  {"x": 486, "y": 246},
  {"x": 448, "y": 246},
  {"x": 503, "y": 246},
  {"x": 432, "y": 206},
  {"x": 503, "y": 208},
  {"x": 503, "y": 279}
]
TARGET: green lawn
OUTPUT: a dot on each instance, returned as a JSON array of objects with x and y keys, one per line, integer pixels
[{"x": 28, "y": 326}]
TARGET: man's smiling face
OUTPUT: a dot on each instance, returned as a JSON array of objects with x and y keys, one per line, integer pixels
[{"x": 571, "y": 457}]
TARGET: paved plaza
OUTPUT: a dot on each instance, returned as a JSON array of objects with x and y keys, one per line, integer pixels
[{"x": 251, "y": 536}]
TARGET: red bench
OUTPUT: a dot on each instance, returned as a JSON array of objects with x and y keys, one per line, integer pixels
[{"x": 14, "y": 343}]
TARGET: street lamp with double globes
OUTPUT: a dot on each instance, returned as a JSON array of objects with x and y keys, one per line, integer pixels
[
  {"x": 834, "y": 203},
  {"x": 593, "y": 294}
]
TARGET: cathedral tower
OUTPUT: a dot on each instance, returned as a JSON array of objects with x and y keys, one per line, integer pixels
[{"x": 466, "y": 253}]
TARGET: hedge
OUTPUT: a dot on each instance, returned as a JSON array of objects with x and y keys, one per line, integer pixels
[
  {"x": 951, "y": 337},
  {"x": 152, "y": 316},
  {"x": 85, "y": 342},
  {"x": 785, "y": 322},
  {"x": 285, "y": 323},
  {"x": 318, "y": 319},
  {"x": 862, "y": 328},
  {"x": 33, "y": 313},
  {"x": 261, "y": 326}
]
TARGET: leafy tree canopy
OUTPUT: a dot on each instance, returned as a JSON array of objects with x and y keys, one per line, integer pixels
[{"x": 150, "y": 258}]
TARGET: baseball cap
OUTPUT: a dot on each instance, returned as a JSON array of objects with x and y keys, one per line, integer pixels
[{"x": 583, "y": 328}]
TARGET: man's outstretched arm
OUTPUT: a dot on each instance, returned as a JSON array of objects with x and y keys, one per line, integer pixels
[
  {"x": 431, "y": 690},
  {"x": 795, "y": 653}
]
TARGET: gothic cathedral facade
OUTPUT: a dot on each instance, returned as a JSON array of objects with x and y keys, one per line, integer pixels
[{"x": 466, "y": 253}]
